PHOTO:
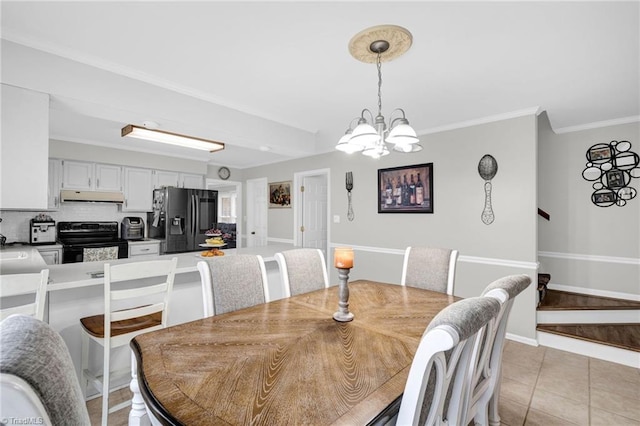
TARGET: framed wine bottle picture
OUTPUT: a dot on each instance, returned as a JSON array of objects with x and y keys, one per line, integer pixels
[{"x": 406, "y": 189}]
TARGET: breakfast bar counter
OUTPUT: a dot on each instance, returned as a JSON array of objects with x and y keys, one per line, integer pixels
[{"x": 74, "y": 275}]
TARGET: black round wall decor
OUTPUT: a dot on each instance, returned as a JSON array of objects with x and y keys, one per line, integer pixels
[{"x": 611, "y": 166}]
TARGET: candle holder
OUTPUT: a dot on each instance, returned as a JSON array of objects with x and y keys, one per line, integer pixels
[{"x": 343, "y": 314}]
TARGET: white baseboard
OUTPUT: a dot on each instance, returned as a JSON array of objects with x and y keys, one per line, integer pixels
[
  {"x": 590, "y": 349},
  {"x": 594, "y": 292},
  {"x": 589, "y": 317},
  {"x": 280, "y": 240},
  {"x": 522, "y": 339}
]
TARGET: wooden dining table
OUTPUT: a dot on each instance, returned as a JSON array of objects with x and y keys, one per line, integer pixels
[{"x": 288, "y": 362}]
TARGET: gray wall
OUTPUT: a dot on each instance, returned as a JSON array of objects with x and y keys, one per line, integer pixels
[
  {"x": 507, "y": 246},
  {"x": 594, "y": 248}
]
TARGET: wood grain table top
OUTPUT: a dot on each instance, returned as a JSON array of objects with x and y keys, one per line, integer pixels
[{"x": 288, "y": 361}]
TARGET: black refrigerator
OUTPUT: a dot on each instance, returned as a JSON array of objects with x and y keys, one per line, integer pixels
[{"x": 181, "y": 216}]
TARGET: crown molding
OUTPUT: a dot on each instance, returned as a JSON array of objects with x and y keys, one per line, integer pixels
[
  {"x": 598, "y": 124},
  {"x": 483, "y": 120}
]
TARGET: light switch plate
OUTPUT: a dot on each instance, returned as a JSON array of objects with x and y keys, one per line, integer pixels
[{"x": 336, "y": 218}]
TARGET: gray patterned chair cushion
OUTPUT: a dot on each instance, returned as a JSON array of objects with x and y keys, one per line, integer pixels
[
  {"x": 428, "y": 268},
  {"x": 237, "y": 282},
  {"x": 33, "y": 351},
  {"x": 512, "y": 284},
  {"x": 305, "y": 270},
  {"x": 467, "y": 316}
]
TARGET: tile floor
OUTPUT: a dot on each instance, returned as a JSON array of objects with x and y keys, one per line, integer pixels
[
  {"x": 545, "y": 386},
  {"x": 540, "y": 387}
]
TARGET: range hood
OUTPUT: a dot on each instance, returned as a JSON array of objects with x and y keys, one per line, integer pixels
[{"x": 91, "y": 196}]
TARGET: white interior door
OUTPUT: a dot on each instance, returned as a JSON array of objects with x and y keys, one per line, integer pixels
[
  {"x": 257, "y": 212},
  {"x": 312, "y": 226}
]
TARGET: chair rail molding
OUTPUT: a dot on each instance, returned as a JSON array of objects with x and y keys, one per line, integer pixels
[
  {"x": 590, "y": 257},
  {"x": 462, "y": 258}
]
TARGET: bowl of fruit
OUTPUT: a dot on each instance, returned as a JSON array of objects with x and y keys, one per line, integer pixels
[
  {"x": 212, "y": 253},
  {"x": 213, "y": 232},
  {"x": 215, "y": 241}
]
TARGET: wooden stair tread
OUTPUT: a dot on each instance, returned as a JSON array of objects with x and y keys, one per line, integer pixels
[
  {"x": 564, "y": 300},
  {"x": 624, "y": 336}
]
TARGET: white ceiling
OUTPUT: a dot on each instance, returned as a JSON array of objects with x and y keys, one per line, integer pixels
[{"x": 275, "y": 80}]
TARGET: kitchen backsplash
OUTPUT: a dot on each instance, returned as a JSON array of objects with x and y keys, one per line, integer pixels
[{"x": 15, "y": 223}]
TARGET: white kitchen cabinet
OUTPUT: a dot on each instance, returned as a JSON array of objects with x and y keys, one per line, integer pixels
[
  {"x": 163, "y": 178},
  {"x": 77, "y": 175},
  {"x": 52, "y": 255},
  {"x": 188, "y": 180},
  {"x": 84, "y": 176},
  {"x": 144, "y": 248},
  {"x": 24, "y": 148},
  {"x": 138, "y": 190},
  {"x": 55, "y": 173},
  {"x": 108, "y": 177}
]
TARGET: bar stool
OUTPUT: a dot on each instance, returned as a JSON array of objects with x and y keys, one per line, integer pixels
[
  {"x": 124, "y": 318},
  {"x": 25, "y": 284}
]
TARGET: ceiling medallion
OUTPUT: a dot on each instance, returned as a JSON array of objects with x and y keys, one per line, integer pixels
[
  {"x": 399, "y": 41},
  {"x": 378, "y": 44}
]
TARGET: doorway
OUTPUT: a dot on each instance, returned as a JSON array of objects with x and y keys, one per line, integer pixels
[
  {"x": 311, "y": 209},
  {"x": 229, "y": 205}
]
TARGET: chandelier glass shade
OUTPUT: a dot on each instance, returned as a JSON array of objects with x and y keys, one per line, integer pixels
[{"x": 371, "y": 135}]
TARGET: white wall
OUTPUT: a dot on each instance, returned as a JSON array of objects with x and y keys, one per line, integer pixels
[
  {"x": 488, "y": 252},
  {"x": 596, "y": 249},
  {"x": 99, "y": 154}
]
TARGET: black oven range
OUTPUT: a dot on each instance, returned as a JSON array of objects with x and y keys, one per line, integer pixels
[{"x": 87, "y": 241}]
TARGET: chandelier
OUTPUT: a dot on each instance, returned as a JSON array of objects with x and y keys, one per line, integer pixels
[{"x": 371, "y": 134}]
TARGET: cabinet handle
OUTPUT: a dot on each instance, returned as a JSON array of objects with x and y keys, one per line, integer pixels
[
  {"x": 145, "y": 249},
  {"x": 89, "y": 182},
  {"x": 55, "y": 201},
  {"x": 97, "y": 183}
]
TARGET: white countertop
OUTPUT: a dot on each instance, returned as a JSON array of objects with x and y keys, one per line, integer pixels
[
  {"x": 33, "y": 262},
  {"x": 142, "y": 241}
]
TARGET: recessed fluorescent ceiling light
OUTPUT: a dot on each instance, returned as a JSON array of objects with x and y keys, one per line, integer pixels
[{"x": 171, "y": 138}]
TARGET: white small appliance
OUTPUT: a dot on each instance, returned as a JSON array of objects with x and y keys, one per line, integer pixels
[{"x": 42, "y": 232}]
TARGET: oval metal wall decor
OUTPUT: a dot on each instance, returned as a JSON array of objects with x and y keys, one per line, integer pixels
[{"x": 611, "y": 167}]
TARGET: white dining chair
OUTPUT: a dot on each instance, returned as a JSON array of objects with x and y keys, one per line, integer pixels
[
  {"x": 37, "y": 377},
  {"x": 128, "y": 312},
  {"x": 303, "y": 270},
  {"x": 232, "y": 282},
  {"x": 31, "y": 289},
  {"x": 430, "y": 268},
  {"x": 437, "y": 390},
  {"x": 483, "y": 406}
]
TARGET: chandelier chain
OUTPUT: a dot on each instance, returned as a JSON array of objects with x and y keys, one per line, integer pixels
[{"x": 379, "y": 64}]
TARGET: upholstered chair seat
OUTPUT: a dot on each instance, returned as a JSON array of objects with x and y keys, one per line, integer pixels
[
  {"x": 303, "y": 270},
  {"x": 36, "y": 373},
  {"x": 430, "y": 268}
]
